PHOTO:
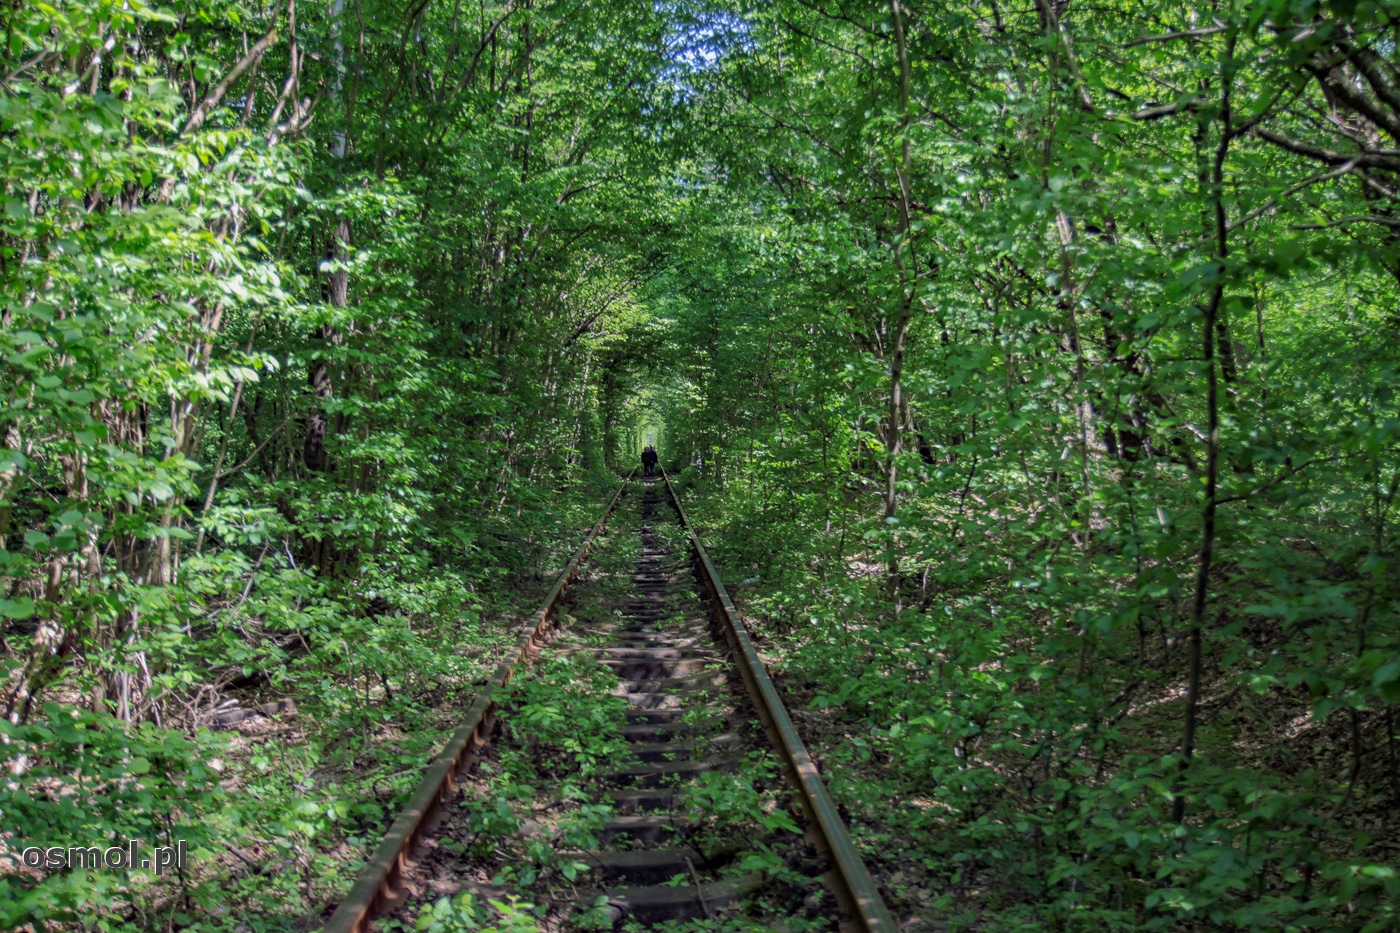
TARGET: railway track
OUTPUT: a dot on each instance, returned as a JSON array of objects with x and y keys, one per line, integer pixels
[{"x": 695, "y": 799}]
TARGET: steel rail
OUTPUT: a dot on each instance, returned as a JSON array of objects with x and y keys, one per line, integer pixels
[
  {"x": 373, "y": 889},
  {"x": 849, "y": 880}
]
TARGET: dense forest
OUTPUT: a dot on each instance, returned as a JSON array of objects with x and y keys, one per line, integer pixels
[{"x": 1032, "y": 370}]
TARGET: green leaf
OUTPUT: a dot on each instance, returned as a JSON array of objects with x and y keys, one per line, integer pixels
[{"x": 20, "y": 608}]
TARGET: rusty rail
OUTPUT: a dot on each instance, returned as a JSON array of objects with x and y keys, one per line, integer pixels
[
  {"x": 849, "y": 879},
  {"x": 374, "y": 888}
]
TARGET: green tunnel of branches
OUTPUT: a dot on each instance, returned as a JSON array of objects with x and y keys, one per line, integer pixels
[{"x": 1031, "y": 368}]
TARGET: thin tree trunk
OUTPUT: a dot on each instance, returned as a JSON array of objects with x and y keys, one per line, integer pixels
[
  {"x": 1208, "y": 348},
  {"x": 319, "y": 376},
  {"x": 894, "y": 436}
]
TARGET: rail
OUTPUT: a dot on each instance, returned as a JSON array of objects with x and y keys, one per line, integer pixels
[
  {"x": 849, "y": 879},
  {"x": 374, "y": 888}
]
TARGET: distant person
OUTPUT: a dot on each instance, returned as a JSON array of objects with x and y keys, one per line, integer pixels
[{"x": 649, "y": 459}]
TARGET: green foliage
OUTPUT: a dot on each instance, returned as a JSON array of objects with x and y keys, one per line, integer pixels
[
  {"x": 463, "y": 913},
  {"x": 299, "y": 407},
  {"x": 84, "y": 778},
  {"x": 985, "y": 585},
  {"x": 971, "y": 330},
  {"x": 566, "y": 711},
  {"x": 747, "y": 804}
]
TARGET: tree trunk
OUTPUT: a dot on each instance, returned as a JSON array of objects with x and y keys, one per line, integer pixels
[
  {"x": 1208, "y": 350},
  {"x": 894, "y": 437},
  {"x": 318, "y": 378}
]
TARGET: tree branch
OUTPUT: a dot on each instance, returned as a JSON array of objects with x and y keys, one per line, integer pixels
[
  {"x": 1272, "y": 202},
  {"x": 1348, "y": 221},
  {"x": 211, "y": 100},
  {"x": 1369, "y": 159},
  {"x": 1166, "y": 110},
  {"x": 1173, "y": 36},
  {"x": 482, "y": 46}
]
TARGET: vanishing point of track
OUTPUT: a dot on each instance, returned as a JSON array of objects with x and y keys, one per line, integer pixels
[{"x": 662, "y": 671}]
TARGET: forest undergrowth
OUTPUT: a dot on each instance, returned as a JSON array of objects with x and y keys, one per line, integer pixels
[
  {"x": 1033, "y": 370},
  {"x": 998, "y": 762}
]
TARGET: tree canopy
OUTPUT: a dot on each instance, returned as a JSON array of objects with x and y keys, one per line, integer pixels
[{"x": 1033, "y": 369}]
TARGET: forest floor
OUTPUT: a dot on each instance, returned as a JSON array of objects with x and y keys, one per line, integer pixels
[
  {"x": 319, "y": 782},
  {"x": 1270, "y": 730}
]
